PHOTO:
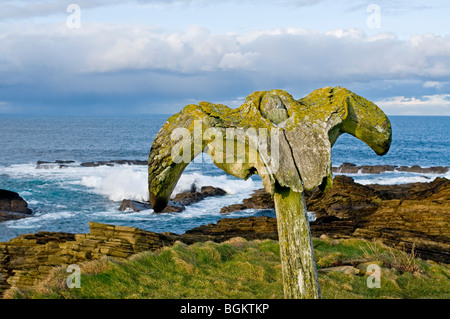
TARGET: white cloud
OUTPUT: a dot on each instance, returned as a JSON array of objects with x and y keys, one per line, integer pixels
[
  {"x": 346, "y": 33},
  {"x": 293, "y": 53},
  {"x": 438, "y": 104},
  {"x": 433, "y": 84},
  {"x": 238, "y": 60}
]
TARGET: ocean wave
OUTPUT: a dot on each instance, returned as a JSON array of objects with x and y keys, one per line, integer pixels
[
  {"x": 228, "y": 184},
  {"x": 33, "y": 202},
  {"x": 118, "y": 183},
  {"x": 395, "y": 178},
  {"x": 36, "y": 221},
  {"x": 131, "y": 182},
  {"x": 114, "y": 215},
  {"x": 30, "y": 171}
]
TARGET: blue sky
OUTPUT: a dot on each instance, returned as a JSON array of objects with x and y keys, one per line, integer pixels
[{"x": 142, "y": 57}]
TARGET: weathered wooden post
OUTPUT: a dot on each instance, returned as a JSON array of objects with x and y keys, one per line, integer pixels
[{"x": 287, "y": 142}]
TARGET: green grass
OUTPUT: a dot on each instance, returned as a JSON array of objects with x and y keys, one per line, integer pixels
[{"x": 243, "y": 269}]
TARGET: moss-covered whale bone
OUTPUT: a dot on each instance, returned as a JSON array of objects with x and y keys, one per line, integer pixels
[
  {"x": 306, "y": 130},
  {"x": 309, "y": 128}
]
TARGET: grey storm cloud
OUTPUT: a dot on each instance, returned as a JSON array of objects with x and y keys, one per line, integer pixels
[{"x": 292, "y": 53}]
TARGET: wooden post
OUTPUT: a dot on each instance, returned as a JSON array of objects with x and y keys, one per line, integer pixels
[{"x": 297, "y": 253}]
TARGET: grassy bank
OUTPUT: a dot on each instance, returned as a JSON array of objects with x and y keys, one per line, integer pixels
[{"x": 248, "y": 269}]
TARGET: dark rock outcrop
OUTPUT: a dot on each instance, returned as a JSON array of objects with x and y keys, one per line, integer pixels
[
  {"x": 129, "y": 204},
  {"x": 55, "y": 164},
  {"x": 260, "y": 199},
  {"x": 350, "y": 168},
  {"x": 424, "y": 170},
  {"x": 12, "y": 206},
  {"x": 65, "y": 164},
  {"x": 113, "y": 163},
  {"x": 178, "y": 203},
  {"x": 192, "y": 196}
]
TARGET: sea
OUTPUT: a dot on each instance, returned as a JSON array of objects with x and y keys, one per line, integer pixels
[{"x": 66, "y": 199}]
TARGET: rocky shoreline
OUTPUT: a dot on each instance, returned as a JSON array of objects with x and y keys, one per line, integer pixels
[
  {"x": 400, "y": 216},
  {"x": 350, "y": 168},
  {"x": 70, "y": 163},
  {"x": 345, "y": 168}
]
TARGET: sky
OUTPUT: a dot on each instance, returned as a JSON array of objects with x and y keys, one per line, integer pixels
[{"x": 98, "y": 57}]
